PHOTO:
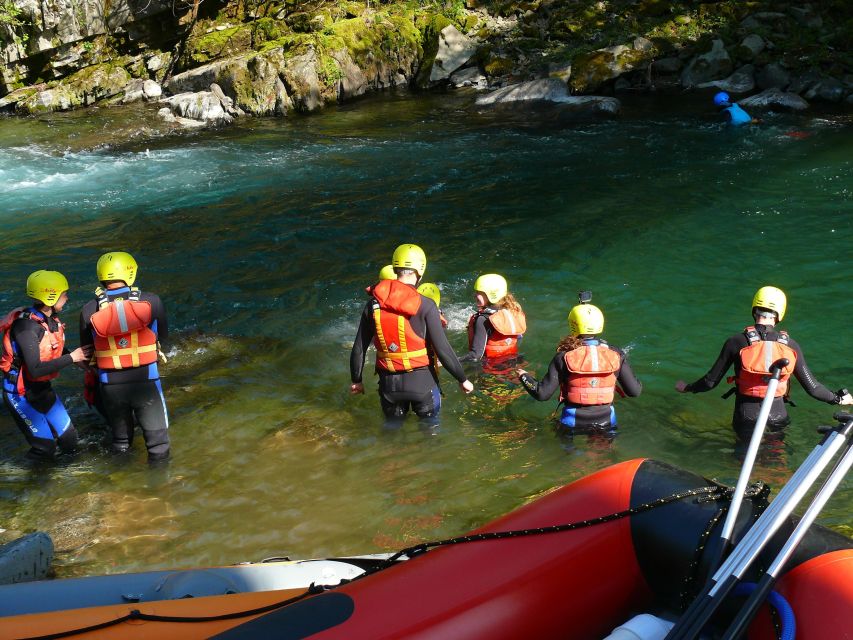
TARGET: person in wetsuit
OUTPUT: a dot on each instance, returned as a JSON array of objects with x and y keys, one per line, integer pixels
[
  {"x": 751, "y": 352},
  {"x": 586, "y": 370},
  {"x": 732, "y": 111},
  {"x": 405, "y": 327},
  {"x": 33, "y": 354},
  {"x": 499, "y": 323},
  {"x": 125, "y": 326}
]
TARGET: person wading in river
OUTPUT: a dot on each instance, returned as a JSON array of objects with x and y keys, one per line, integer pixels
[
  {"x": 125, "y": 325},
  {"x": 586, "y": 370},
  {"x": 33, "y": 354},
  {"x": 405, "y": 327},
  {"x": 751, "y": 352}
]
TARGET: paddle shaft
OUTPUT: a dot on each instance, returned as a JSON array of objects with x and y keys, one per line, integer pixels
[
  {"x": 699, "y": 613},
  {"x": 768, "y": 580},
  {"x": 748, "y": 463}
]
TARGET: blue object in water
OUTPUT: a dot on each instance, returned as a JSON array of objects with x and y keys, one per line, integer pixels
[
  {"x": 737, "y": 116},
  {"x": 721, "y": 99}
]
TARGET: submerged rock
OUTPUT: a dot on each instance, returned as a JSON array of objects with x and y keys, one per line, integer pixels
[
  {"x": 26, "y": 559},
  {"x": 549, "y": 90}
]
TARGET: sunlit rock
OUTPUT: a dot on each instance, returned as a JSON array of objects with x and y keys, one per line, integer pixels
[
  {"x": 454, "y": 51},
  {"x": 548, "y": 90},
  {"x": 741, "y": 81},
  {"x": 773, "y": 98}
]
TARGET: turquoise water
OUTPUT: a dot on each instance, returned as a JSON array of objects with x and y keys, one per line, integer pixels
[{"x": 261, "y": 239}]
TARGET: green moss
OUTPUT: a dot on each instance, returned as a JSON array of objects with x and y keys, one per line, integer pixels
[
  {"x": 219, "y": 44},
  {"x": 496, "y": 66}
]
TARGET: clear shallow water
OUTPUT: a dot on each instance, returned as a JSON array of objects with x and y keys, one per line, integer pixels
[{"x": 261, "y": 239}]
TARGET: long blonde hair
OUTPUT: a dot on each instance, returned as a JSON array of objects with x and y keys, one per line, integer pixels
[
  {"x": 508, "y": 302},
  {"x": 568, "y": 343}
]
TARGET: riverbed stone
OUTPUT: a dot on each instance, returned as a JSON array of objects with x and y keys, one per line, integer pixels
[
  {"x": 741, "y": 81},
  {"x": 754, "y": 44},
  {"x": 773, "y": 76},
  {"x": 591, "y": 70},
  {"x": 667, "y": 66},
  {"x": 454, "y": 51},
  {"x": 827, "y": 89},
  {"x": 548, "y": 90},
  {"x": 771, "y": 98},
  {"x": 203, "y": 106},
  {"x": 470, "y": 77},
  {"x": 713, "y": 65},
  {"x": 83, "y": 88}
]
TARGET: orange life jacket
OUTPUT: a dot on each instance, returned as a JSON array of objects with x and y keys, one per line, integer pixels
[
  {"x": 122, "y": 333},
  {"x": 50, "y": 347},
  {"x": 592, "y": 374},
  {"x": 507, "y": 329},
  {"x": 755, "y": 361},
  {"x": 398, "y": 347}
]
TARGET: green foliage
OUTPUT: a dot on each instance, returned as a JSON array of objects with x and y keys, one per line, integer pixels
[{"x": 10, "y": 14}]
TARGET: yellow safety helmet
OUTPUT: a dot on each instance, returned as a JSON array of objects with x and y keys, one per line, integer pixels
[
  {"x": 585, "y": 319},
  {"x": 46, "y": 286},
  {"x": 117, "y": 265},
  {"x": 493, "y": 285},
  {"x": 387, "y": 272},
  {"x": 771, "y": 298},
  {"x": 431, "y": 291},
  {"x": 409, "y": 256}
]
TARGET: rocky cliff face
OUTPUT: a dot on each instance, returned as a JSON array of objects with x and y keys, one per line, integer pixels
[{"x": 276, "y": 56}]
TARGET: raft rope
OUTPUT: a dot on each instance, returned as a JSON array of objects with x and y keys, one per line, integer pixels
[
  {"x": 758, "y": 492},
  {"x": 711, "y": 493}
]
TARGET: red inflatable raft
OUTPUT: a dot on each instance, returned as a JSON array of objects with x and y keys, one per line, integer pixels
[{"x": 542, "y": 581}]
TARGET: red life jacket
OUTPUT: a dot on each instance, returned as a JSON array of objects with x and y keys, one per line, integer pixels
[
  {"x": 50, "y": 347},
  {"x": 755, "y": 361},
  {"x": 122, "y": 333},
  {"x": 507, "y": 329},
  {"x": 398, "y": 347},
  {"x": 592, "y": 375}
]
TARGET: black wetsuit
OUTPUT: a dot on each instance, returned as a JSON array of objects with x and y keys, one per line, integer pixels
[
  {"x": 39, "y": 413},
  {"x": 482, "y": 330},
  {"x": 418, "y": 388},
  {"x": 134, "y": 392},
  {"x": 746, "y": 407},
  {"x": 600, "y": 416}
]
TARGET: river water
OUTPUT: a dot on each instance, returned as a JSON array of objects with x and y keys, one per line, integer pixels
[{"x": 261, "y": 238}]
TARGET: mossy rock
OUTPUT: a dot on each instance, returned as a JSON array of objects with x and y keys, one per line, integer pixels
[
  {"x": 469, "y": 23},
  {"x": 430, "y": 27},
  {"x": 218, "y": 44},
  {"x": 591, "y": 70},
  {"x": 497, "y": 66}
]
